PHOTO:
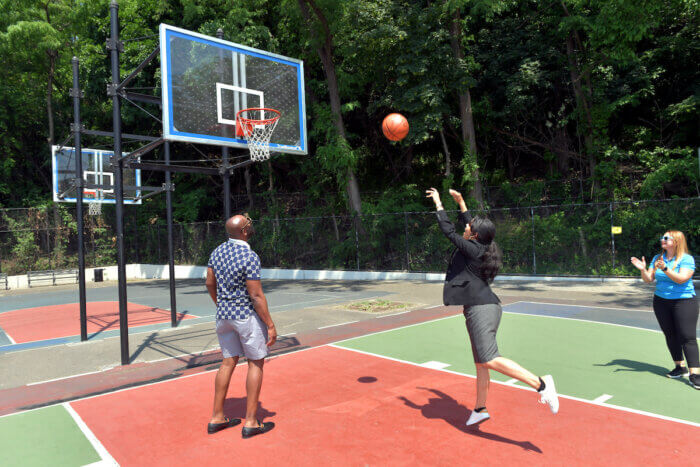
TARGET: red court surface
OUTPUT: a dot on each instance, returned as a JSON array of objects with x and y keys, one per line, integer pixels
[
  {"x": 338, "y": 407},
  {"x": 50, "y": 322}
]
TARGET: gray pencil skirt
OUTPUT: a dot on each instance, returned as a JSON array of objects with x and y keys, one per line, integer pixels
[{"x": 482, "y": 324}]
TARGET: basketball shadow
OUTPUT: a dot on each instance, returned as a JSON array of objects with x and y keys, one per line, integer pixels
[{"x": 448, "y": 409}]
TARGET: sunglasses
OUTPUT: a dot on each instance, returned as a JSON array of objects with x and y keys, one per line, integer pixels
[{"x": 666, "y": 238}]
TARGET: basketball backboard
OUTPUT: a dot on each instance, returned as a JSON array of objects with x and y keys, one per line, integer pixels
[
  {"x": 96, "y": 170},
  {"x": 206, "y": 81}
]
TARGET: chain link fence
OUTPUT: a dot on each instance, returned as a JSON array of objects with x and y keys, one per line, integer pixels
[{"x": 544, "y": 240}]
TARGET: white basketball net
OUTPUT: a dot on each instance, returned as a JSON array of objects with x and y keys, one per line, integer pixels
[
  {"x": 95, "y": 209},
  {"x": 258, "y": 131}
]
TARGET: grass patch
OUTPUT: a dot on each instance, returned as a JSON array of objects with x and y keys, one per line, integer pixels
[{"x": 377, "y": 306}]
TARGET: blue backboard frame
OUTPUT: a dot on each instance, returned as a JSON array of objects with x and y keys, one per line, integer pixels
[{"x": 171, "y": 133}]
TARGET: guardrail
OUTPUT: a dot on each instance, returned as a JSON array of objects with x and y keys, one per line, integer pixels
[{"x": 54, "y": 276}]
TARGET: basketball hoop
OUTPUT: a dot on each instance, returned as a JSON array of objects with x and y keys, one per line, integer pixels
[
  {"x": 95, "y": 207},
  {"x": 257, "y": 130}
]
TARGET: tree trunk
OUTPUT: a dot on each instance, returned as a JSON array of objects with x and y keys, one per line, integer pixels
[
  {"x": 325, "y": 53},
  {"x": 49, "y": 94},
  {"x": 447, "y": 153},
  {"x": 465, "y": 108},
  {"x": 582, "y": 100},
  {"x": 249, "y": 188}
]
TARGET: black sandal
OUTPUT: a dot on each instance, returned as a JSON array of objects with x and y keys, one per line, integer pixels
[
  {"x": 214, "y": 427},
  {"x": 257, "y": 430}
]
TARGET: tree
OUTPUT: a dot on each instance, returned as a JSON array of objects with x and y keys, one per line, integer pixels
[{"x": 319, "y": 29}]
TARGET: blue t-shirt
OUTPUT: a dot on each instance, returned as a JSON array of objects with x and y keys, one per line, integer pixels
[
  {"x": 666, "y": 288},
  {"x": 234, "y": 263}
]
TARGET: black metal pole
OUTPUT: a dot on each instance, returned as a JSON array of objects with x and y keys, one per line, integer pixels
[
  {"x": 405, "y": 233},
  {"x": 79, "y": 199},
  {"x": 534, "y": 254},
  {"x": 612, "y": 237},
  {"x": 171, "y": 241},
  {"x": 118, "y": 181},
  {"x": 224, "y": 150}
]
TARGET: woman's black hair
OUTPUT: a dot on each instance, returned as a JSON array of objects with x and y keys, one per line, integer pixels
[{"x": 491, "y": 260}]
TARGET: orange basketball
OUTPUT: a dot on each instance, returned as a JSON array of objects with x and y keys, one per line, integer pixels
[{"x": 395, "y": 127}]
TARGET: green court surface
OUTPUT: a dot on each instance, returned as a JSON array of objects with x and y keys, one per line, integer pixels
[
  {"x": 588, "y": 360},
  {"x": 48, "y": 436}
]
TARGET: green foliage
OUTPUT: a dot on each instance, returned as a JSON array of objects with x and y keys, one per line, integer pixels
[
  {"x": 669, "y": 167},
  {"x": 637, "y": 65}
]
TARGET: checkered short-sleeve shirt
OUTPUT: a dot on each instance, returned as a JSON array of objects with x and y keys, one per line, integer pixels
[{"x": 234, "y": 262}]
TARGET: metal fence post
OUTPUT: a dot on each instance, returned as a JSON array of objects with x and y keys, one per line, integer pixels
[
  {"x": 612, "y": 237},
  {"x": 405, "y": 225},
  {"x": 357, "y": 241},
  {"x": 534, "y": 254}
]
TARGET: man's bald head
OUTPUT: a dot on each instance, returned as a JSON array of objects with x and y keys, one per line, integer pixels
[{"x": 235, "y": 227}]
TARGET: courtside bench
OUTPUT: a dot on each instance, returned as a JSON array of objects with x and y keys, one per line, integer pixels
[{"x": 52, "y": 277}]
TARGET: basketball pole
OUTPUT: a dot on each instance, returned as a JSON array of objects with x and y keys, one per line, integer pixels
[
  {"x": 76, "y": 93},
  {"x": 113, "y": 44},
  {"x": 224, "y": 149},
  {"x": 171, "y": 242}
]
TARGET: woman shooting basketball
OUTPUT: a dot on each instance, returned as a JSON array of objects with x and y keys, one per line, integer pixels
[{"x": 473, "y": 266}]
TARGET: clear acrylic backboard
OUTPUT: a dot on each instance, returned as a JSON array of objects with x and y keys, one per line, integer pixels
[
  {"x": 206, "y": 81},
  {"x": 96, "y": 170}
]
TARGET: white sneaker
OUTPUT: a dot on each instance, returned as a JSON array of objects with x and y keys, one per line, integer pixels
[
  {"x": 477, "y": 417},
  {"x": 549, "y": 394}
]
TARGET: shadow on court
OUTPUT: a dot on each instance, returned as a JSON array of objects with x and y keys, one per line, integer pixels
[
  {"x": 444, "y": 407},
  {"x": 139, "y": 317},
  {"x": 633, "y": 365},
  {"x": 235, "y": 407}
]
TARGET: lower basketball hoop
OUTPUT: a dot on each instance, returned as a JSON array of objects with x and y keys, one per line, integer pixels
[
  {"x": 257, "y": 131},
  {"x": 95, "y": 209}
]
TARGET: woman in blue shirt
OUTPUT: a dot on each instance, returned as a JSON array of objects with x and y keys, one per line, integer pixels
[{"x": 675, "y": 303}]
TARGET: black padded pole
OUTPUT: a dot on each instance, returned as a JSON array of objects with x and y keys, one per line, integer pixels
[
  {"x": 79, "y": 199},
  {"x": 118, "y": 182},
  {"x": 171, "y": 242}
]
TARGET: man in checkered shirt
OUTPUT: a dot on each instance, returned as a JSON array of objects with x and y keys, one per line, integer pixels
[{"x": 243, "y": 323}]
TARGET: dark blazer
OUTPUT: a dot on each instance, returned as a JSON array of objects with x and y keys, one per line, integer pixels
[{"x": 463, "y": 282}]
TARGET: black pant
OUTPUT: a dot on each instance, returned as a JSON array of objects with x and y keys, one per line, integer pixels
[{"x": 678, "y": 320}]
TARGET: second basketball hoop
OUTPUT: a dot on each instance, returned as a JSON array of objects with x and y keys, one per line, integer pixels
[{"x": 256, "y": 125}]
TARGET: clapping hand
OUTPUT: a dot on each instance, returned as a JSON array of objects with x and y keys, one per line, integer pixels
[
  {"x": 433, "y": 193},
  {"x": 456, "y": 195},
  {"x": 639, "y": 264},
  {"x": 660, "y": 263}
]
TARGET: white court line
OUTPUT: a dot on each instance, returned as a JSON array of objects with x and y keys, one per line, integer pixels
[
  {"x": 64, "y": 377},
  {"x": 107, "y": 459},
  {"x": 603, "y": 398},
  {"x": 10, "y": 337},
  {"x": 582, "y": 320},
  {"x": 511, "y": 381},
  {"x": 288, "y": 334},
  {"x": 339, "y": 324},
  {"x": 435, "y": 365},
  {"x": 300, "y": 303},
  {"x": 274, "y": 357},
  {"x": 430, "y": 307},
  {"x": 586, "y": 306},
  {"x": 394, "y": 329},
  {"x": 602, "y": 404},
  {"x": 394, "y": 314}
]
